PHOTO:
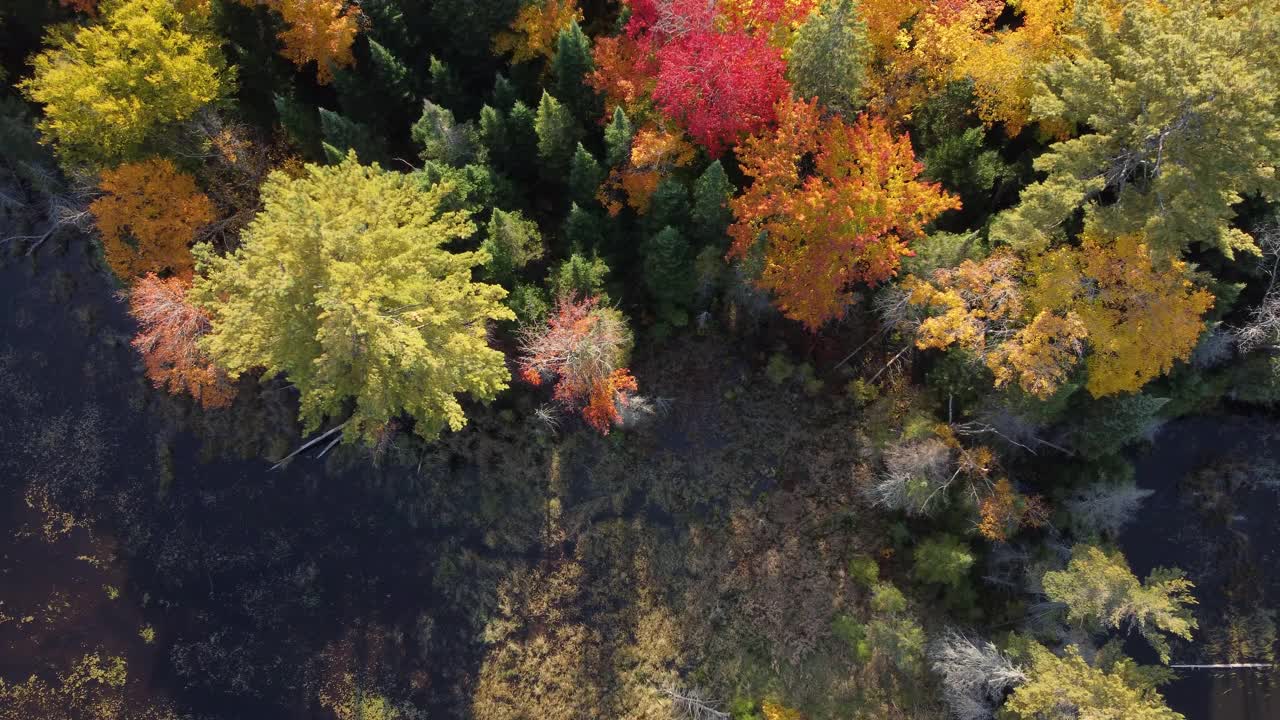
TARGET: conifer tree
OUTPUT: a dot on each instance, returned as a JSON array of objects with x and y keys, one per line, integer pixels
[
  {"x": 711, "y": 214},
  {"x": 557, "y": 135},
  {"x": 669, "y": 274},
  {"x": 301, "y": 124},
  {"x": 585, "y": 176},
  {"x": 669, "y": 205},
  {"x": 828, "y": 57},
  {"x": 442, "y": 138},
  {"x": 572, "y": 63},
  {"x": 342, "y": 134},
  {"x": 343, "y": 284},
  {"x": 582, "y": 229},
  {"x": 512, "y": 242},
  {"x": 617, "y": 139}
]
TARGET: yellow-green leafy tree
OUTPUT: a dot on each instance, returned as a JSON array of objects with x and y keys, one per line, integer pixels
[
  {"x": 1180, "y": 118},
  {"x": 108, "y": 88},
  {"x": 1099, "y": 588},
  {"x": 1069, "y": 687},
  {"x": 343, "y": 284}
]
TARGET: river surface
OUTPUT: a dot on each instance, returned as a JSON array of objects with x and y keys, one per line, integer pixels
[{"x": 66, "y": 365}]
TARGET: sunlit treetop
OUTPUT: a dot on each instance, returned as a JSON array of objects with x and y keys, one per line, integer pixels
[
  {"x": 319, "y": 31},
  {"x": 109, "y": 88},
  {"x": 343, "y": 283},
  {"x": 534, "y": 31}
]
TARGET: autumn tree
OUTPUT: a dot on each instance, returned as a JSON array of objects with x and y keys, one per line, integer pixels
[
  {"x": 1067, "y": 686},
  {"x": 534, "y": 32},
  {"x": 168, "y": 338},
  {"x": 343, "y": 284},
  {"x": 828, "y": 57},
  {"x": 1098, "y": 587},
  {"x": 148, "y": 216},
  {"x": 1175, "y": 144},
  {"x": 584, "y": 348},
  {"x": 108, "y": 88},
  {"x": 1139, "y": 313},
  {"x": 654, "y": 154},
  {"x": 720, "y": 86},
  {"x": 319, "y": 31},
  {"x": 847, "y": 221}
]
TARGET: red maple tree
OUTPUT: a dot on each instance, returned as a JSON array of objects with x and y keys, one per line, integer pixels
[
  {"x": 168, "y": 340},
  {"x": 582, "y": 347}
]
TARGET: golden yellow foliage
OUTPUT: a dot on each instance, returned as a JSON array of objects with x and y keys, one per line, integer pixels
[
  {"x": 148, "y": 216},
  {"x": 317, "y": 30},
  {"x": 655, "y": 152},
  {"x": 1140, "y": 315},
  {"x": 777, "y": 711},
  {"x": 1040, "y": 356},
  {"x": 534, "y": 31}
]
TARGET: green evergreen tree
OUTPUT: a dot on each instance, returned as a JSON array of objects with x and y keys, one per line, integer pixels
[
  {"x": 504, "y": 93},
  {"x": 829, "y": 56},
  {"x": 522, "y": 141},
  {"x": 585, "y": 176},
  {"x": 572, "y": 63},
  {"x": 582, "y": 229},
  {"x": 942, "y": 560},
  {"x": 301, "y": 125},
  {"x": 711, "y": 214},
  {"x": 446, "y": 89},
  {"x": 378, "y": 92},
  {"x": 493, "y": 131},
  {"x": 442, "y": 138},
  {"x": 579, "y": 275},
  {"x": 669, "y": 275},
  {"x": 342, "y": 135},
  {"x": 512, "y": 242},
  {"x": 669, "y": 206},
  {"x": 343, "y": 284},
  {"x": 617, "y": 139},
  {"x": 557, "y": 136}
]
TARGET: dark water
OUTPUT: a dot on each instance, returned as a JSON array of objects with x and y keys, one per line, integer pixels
[{"x": 1215, "y": 515}]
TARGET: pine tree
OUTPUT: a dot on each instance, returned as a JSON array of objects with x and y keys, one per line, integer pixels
[
  {"x": 585, "y": 176},
  {"x": 1068, "y": 687},
  {"x": 504, "y": 93},
  {"x": 617, "y": 139},
  {"x": 669, "y": 275},
  {"x": 442, "y": 138},
  {"x": 342, "y": 134},
  {"x": 711, "y": 214},
  {"x": 301, "y": 124},
  {"x": 572, "y": 64},
  {"x": 582, "y": 229},
  {"x": 579, "y": 276},
  {"x": 557, "y": 136},
  {"x": 446, "y": 89},
  {"x": 522, "y": 141},
  {"x": 512, "y": 242},
  {"x": 343, "y": 284},
  {"x": 669, "y": 206},
  {"x": 829, "y": 56}
]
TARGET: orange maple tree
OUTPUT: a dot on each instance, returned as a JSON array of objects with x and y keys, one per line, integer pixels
[
  {"x": 655, "y": 153},
  {"x": 148, "y": 216},
  {"x": 322, "y": 31},
  {"x": 168, "y": 336},
  {"x": 582, "y": 347},
  {"x": 834, "y": 203}
]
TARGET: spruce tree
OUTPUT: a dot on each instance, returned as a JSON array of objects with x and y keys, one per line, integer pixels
[
  {"x": 711, "y": 214},
  {"x": 342, "y": 134},
  {"x": 585, "y": 176},
  {"x": 557, "y": 136},
  {"x": 617, "y": 139},
  {"x": 669, "y": 275},
  {"x": 572, "y": 63},
  {"x": 512, "y": 242}
]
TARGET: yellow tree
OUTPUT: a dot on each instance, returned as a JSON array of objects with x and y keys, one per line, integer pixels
[
  {"x": 108, "y": 88},
  {"x": 148, "y": 216},
  {"x": 319, "y": 31},
  {"x": 1140, "y": 314},
  {"x": 534, "y": 31}
]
